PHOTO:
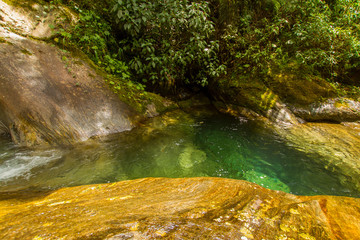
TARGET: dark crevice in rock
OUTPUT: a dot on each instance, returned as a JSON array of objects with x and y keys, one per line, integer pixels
[{"x": 4, "y": 126}]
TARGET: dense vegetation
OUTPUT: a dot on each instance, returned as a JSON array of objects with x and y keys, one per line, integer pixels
[
  {"x": 168, "y": 42},
  {"x": 317, "y": 35},
  {"x": 159, "y": 44},
  {"x": 188, "y": 42}
]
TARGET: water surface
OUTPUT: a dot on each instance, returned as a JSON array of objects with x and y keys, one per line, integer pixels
[{"x": 177, "y": 145}]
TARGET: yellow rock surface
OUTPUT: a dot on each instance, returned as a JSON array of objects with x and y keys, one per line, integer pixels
[{"x": 188, "y": 208}]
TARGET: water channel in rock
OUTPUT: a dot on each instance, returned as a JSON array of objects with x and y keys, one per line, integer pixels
[{"x": 176, "y": 145}]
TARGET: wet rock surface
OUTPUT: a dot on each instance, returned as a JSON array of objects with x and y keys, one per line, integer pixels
[
  {"x": 333, "y": 110},
  {"x": 251, "y": 98},
  {"x": 284, "y": 97},
  {"x": 190, "y": 208}
]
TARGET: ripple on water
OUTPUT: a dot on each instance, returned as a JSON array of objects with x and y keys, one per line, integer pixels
[{"x": 21, "y": 164}]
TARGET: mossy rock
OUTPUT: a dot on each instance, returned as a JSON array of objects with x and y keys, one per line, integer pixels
[
  {"x": 298, "y": 89},
  {"x": 28, "y": 4},
  {"x": 197, "y": 100},
  {"x": 245, "y": 91},
  {"x": 145, "y": 103},
  {"x": 49, "y": 97},
  {"x": 35, "y": 18}
]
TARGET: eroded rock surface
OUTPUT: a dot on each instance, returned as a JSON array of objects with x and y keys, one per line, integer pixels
[
  {"x": 47, "y": 96},
  {"x": 36, "y": 20},
  {"x": 197, "y": 208}
]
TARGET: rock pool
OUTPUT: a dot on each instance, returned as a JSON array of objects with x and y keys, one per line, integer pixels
[{"x": 175, "y": 145}]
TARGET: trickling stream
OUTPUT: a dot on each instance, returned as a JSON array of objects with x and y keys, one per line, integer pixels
[{"x": 177, "y": 145}]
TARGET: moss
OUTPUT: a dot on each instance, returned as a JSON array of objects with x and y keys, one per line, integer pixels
[
  {"x": 26, "y": 52},
  {"x": 161, "y": 104},
  {"x": 347, "y": 91},
  {"x": 268, "y": 100},
  {"x": 248, "y": 91},
  {"x": 299, "y": 89},
  {"x": 341, "y": 104},
  {"x": 26, "y": 4},
  {"x": 133, "y": 94},
  {"x": 260, "y": 93}
]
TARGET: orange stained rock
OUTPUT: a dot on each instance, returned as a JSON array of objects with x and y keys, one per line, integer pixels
[{"x": 188, "y": 208}]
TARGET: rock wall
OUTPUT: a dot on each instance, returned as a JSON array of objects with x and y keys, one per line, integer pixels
[
  {"x": 284, "y": 98},
  {"x": 48, "y": 96}
]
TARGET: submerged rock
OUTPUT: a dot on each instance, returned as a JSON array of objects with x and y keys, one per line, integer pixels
[
  {"x": 285, "y": 101},
  {"x": 335, "y": 146},
  {"x": 266, "y": 181},
  {"x": 191, "y": 156},
  {"x": 195, "y": 208}
]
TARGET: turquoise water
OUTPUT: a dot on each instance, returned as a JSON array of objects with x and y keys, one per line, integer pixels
[{"x": 178, "y": 145}]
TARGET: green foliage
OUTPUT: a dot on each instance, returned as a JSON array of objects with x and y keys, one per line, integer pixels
[
  {"x": 168, "y": 42},
  {"x": 348, "y": 91},
  {"x": 94, "y": 36},
  {"x": 328, "y": 39},
  {"x": 323, "y": 35}
]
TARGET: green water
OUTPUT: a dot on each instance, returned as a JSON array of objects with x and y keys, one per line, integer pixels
[{"x": 178, "y": 145}]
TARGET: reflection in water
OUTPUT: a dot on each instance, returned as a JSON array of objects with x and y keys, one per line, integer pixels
[{"x": 176, "y": 145}]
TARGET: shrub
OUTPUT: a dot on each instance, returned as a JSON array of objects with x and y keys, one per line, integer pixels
[{"x": 168, "y": 43}]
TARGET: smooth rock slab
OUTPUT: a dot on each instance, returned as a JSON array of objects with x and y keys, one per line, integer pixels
[
  {"x": 48, "y": 96},
  {"x": 190, "y": 208}
]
